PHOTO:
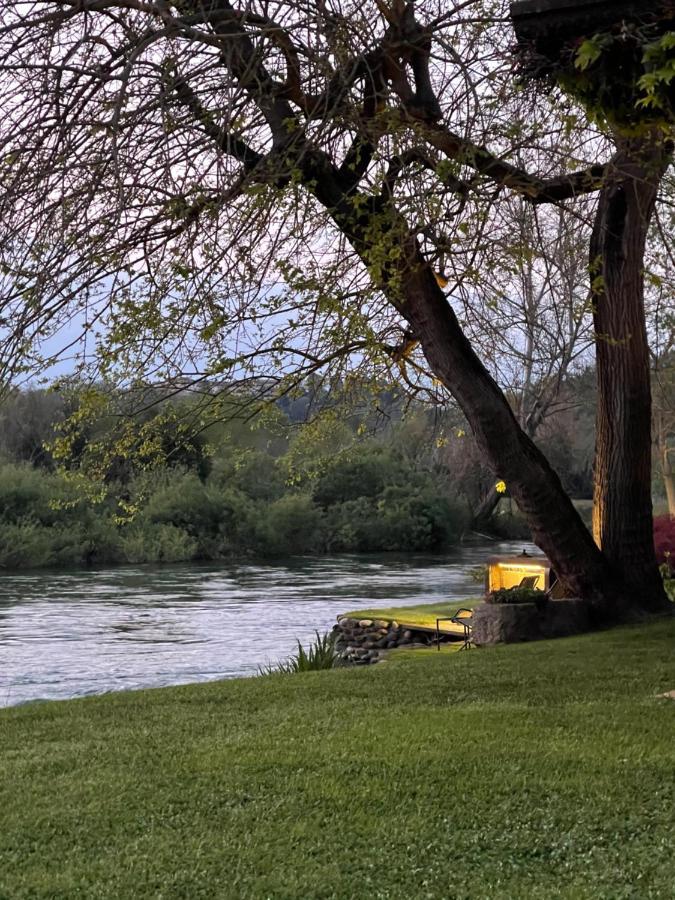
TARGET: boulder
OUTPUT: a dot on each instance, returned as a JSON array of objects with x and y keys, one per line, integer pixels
[{"x": 509, "y": 623}]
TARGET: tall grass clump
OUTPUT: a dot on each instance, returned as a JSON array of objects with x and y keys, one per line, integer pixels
[{"x": 319, "y": 655}]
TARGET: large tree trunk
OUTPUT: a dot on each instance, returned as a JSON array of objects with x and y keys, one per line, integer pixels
[
  {"x": 556, "y": 525},
  {"x": 622, "y": 514},
  {"x": 485, "y": 509}
]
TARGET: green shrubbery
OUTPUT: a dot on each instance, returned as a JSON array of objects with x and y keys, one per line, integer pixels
[
  {"x": 245, "y": 506},
  {"x": 517, "y": 595}
]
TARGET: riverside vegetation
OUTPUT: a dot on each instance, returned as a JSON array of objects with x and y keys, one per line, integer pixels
[
  {"x": 531, "y": 770},
  {"x": 167, "y": 488},
  {"x": 308, "y": 475}
]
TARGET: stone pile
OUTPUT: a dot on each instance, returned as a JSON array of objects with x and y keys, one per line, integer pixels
[{"x": 363, "y": 642}]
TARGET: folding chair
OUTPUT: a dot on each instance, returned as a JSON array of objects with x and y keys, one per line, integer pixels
[{"x": 463, "y": 617}]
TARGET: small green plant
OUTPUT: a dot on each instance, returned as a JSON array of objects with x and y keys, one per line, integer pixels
[
  {"x": 517, "y": 595},
  {"x": 319, "y": 655},
  {"x": 668, "y": 575}
]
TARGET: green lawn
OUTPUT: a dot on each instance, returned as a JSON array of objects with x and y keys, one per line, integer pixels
[
  {"x": 423, "y": 615},
  {"x": 531, "y": 771}
]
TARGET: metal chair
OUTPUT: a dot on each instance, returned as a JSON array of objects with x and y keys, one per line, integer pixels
[
  {"x": 463, "y": 617},
  {"x": 529, "y": 581}
]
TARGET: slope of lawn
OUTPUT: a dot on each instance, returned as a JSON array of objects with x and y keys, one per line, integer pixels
[{"x": 531, "y": 771}]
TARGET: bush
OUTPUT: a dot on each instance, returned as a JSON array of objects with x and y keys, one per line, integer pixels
[
  {"x": 291, "y": 525},
  {"x": 668, "y": 583},
  {"x": 664, "y": 541},
  {"x": 32, "y": 545},
  {"x": 350, "y": 478},
  {"x": 152, "y": 543},
  {"x": 403, "y": 518},
  {"x": 32, "y": 495},
  {"x": 216, "y": 521},
  {"x": 517, "y": 595}
]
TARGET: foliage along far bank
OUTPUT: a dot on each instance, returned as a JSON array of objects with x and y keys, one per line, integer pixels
[{"x": 242, "y": 508}]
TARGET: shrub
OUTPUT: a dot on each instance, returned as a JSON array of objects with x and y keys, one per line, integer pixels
[
  {"x": 664, "y": 541},
  {"x": 29, "y": 544},
  {"x": 517, "y": 595},
  {"x": 215, "y": 520},
  {"x": 25, "y": 545},
  {"x": 32, "y": 495},
  {"x": 668, "y": 582},
  {"x": 154, "y": 543},
  {"x": 403, "y": 517},
  {"x": 353, "y": 478},
  {"x": 291, "y": 525},
  {"x": 258, "y": 476}
]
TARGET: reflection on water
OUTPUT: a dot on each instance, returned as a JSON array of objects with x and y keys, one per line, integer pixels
[{"x": 69, "y": 634}]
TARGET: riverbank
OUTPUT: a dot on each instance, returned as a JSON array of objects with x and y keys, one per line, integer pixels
[{"x": 523, "y": 771}]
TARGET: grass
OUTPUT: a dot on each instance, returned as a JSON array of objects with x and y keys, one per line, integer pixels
[
  {"x": 423, "y": 615},
  {"x": 531, "y": 771}
]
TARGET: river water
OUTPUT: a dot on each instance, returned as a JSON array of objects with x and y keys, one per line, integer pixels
[{"x": 68, "y": 634}]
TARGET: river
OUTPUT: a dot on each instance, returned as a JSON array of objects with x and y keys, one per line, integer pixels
[{"x": 69, "y": 634}]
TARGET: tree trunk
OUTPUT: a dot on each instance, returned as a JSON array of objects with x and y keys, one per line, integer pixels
[
  {"x": 622, "y": 513},
  {"x": 556, "y": 525},
  {"x": 483, "y": 512}
]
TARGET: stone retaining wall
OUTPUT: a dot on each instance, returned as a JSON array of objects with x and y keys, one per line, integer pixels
[
  {"x": 506, "y": 623},
  {"x": 363, "y": 642}
]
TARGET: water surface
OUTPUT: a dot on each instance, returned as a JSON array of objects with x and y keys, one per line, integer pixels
[{"x": 67, "y": 634}]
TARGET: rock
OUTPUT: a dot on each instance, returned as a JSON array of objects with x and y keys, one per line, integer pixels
[
  {"x": 508, "y": 623},
  {"x": 365, "y": 623},
  {"x": 407, "y": 635},
  {"x": 382, "y": 642},
  {"x": 391, "y": 644},
  {"x": 669, "y": 695},
  {"x": 367, "y": 645},
  {"x": 380, "y": 623}
]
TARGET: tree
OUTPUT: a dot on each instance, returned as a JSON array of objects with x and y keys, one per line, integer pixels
[{"x": 159, "y": 155}]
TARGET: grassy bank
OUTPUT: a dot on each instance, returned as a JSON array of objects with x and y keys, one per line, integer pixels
[{"x": 542, "y": 770}]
